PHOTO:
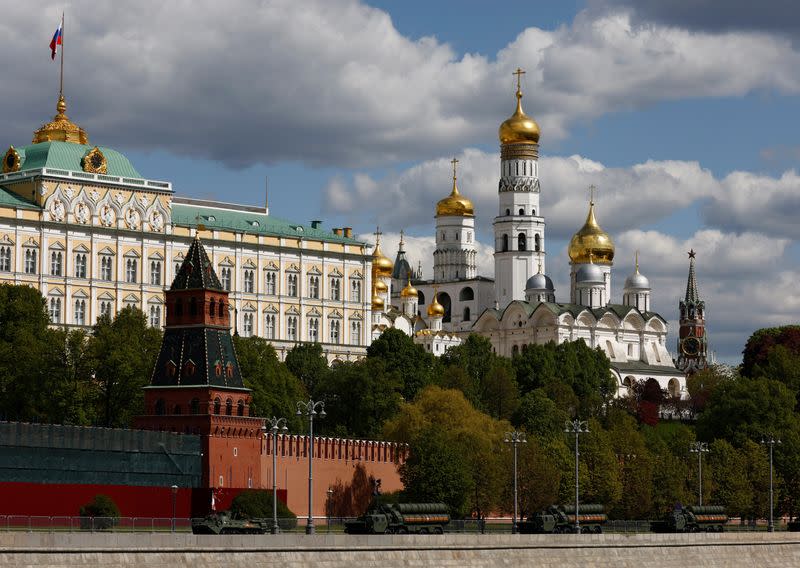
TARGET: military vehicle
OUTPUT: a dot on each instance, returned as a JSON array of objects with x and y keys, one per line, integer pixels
[
  {"x": 225, "y": 523},
  {"x": 561, "y": 519},
  {"x": 401, "y": 518},
  {"x": 709, "y": 518}
]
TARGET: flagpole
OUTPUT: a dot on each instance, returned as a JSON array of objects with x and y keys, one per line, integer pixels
[{"x": 61, "y": 81}]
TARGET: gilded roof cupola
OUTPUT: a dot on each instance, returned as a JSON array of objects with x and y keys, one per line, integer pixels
[
  {"x": 381, "y": 264},
  {"x": 61, "y": 128},
  {"x": 435, "y": 309},
  {"x": 591, "y": 243},
  {"x": 519, "y": 128},
  {"x": 455, "y": 204}
]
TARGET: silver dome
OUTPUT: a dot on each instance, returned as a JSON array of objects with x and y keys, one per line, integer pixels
[
  {"x": 589, "y": 273},
  {"x": 539, "y": 282},
  {"x": 637, "y": 281}
]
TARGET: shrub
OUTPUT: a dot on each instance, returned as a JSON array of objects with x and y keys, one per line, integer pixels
[
  {"x": 257, "y": 504},
  {"x": 101, "y": 513}
]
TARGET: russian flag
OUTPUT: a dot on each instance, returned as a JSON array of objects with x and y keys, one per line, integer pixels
[{"x": 57, "y": 39}]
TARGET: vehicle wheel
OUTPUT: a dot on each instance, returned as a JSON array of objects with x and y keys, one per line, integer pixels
[
  {"x": 388, "y": 530},
  {"x": 598, "y": 530},
  {"x": 438, "y": 530},
  {"x": 423, "y": 530},
  {"x": 402, "y": 530}
]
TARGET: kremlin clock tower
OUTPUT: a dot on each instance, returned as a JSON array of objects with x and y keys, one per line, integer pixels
[{"x": 692, "y": 341}]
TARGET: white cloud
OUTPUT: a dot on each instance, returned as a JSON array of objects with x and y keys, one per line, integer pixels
[{"x": 333, "y": 82}]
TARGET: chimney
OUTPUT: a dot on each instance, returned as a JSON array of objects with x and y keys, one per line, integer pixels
[
  {"x": 316, "y": 224},
  {"x": 338, "y": 232},
  {"x": 348, "y": 232}
]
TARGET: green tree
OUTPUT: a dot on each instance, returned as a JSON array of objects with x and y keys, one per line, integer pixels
[
  {"x": 307, "y": 362},
  {"x": 635, "y": 466},
  {"x": 437, "y": 471},
  {"x": 499, "y": 395},
  {"x": 538, "y": 414},
  {"x": 759, "y": 345},
  {"x": 404, "y": 359},
  {"x": 359, "y": 397},
  {"x": 731, "y": 482},
  {"x": 276, "y": 391},
  {"x": 257, "y": 504},
  {"x": 123, "y": 352},
  {"x": 538, "y": 477},
  {"x": 475, "y": 358}
]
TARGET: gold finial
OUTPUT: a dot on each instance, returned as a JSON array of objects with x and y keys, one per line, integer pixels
[
  {"x": 591, "y": 193},
  {"x": 519, "y": 128},
  {"x": 198, "y": 226},
  {"x": 540, "y": 266},
  {"x": 637, "y": 261},
  {"x": 591, "y": 257},
  {"x": 61, "y": 128}
]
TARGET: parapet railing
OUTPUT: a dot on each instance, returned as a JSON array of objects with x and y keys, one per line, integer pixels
[{"x": 290, "y": 525}]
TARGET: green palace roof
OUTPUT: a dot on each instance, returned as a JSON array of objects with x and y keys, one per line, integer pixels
[
  {"x": 68, "y": 156},
  {"x": 188, "y": 214},
  {"x": 11, "y": 199}
]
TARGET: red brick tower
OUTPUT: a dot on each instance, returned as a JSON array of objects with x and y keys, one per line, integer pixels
[
  {"x": 692, "y": 340},
  {"x": 197, "y": 387}
]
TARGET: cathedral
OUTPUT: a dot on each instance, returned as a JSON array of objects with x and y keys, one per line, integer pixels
[{"x": 519, "y": 307}]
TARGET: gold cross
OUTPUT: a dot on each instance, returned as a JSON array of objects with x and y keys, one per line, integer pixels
[
  {"x": 454, "y": 162},
  {"x": 519, "y": 73},
  {"x": 378, "y": 234}
]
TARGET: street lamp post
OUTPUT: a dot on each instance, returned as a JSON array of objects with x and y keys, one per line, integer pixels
[
  {"x": 515, "y": 438},
  {"x": 699, "y": 448},
  {"x": 577, "y": 427},
  {"x": 310, "y": 409},
  {"x": 174, "y": 497},
  {"x": 275, "y": 425},
  {"x": 770, "y": 441}
]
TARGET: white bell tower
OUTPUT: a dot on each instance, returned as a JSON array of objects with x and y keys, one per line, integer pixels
[{"x": 519, "y": 225}]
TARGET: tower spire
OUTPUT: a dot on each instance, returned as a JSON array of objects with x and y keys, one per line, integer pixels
[
  {"x": 454, "y": 161},
  {"x": 691, "y": 283}
]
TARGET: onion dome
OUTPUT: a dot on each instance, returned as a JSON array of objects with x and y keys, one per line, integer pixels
[
  {"x": 409, "y": 291},
  {"x": 435, "y": 309},
  {"x": 61, "y": 128},
  {"x": 381, "y": 265},
  {"x": 381, "y": 287},
  {"x": 589, "y": 274},
  {"x": 637, "y": 281},
  {"x": 455, "y": 204},
  {"x": 539, "y": 282},
  {"x": 519, "y": 128},
  {"x": 377, "y": 303},
  {"x": 591, "y": 241}
]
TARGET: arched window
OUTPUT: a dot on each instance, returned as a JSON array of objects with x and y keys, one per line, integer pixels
[
  {"x": 221, "y": 309},
  {"x": 229, "y": 407},
  {"x": 420, "y": 298},
  {"x": 212, "y": 311},
  {"x": 504, "y": 247},
  {"x": 217, "y": 406},
  {"x": 466, "y": 314},
  {"x": 521, "y": 211},
  {"x": 194, "y": 408},
  {"x": 160, "y": 407},
  {"x": 444, "y": 300},
  {"x": 537, "y": 242},
  {"x": 240, "y": 408},
  {"x": 177, "y": 409},
  {"x": 508, "y": 212},
  {"x": 466, "y": 294},
  {"x": 522, "y": 242},
  {"x": 514, "y": 350},
  {"x": 178, "y": 307}
]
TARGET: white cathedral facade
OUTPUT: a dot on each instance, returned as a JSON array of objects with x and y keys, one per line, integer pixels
[{"x": 519, "y": 306}]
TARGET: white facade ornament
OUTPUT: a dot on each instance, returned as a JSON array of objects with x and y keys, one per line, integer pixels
[
  {"x": 82, "y": 212},
  {"x": 120, "y": 198},
  {"x": 57, "y": 210},
  {"x": 107, "y": 215},
  {"x": 156, "y": 221},
  {"x": 132, "y": 218},
  {"x": 69, "y": 192},
  {"x": 144, "y": 200},
  {"x": 95, "y": 195}
]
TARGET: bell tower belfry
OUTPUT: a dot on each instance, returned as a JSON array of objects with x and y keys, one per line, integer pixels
[
  {"x": 519, "y": 225},
  {"x": 197, "y": 386}
]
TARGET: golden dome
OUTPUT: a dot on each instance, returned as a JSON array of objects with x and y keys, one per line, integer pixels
[
  {"x": 409, "y": 291},
  {"x": 61, "y": 128},
  {"x": 519, "y": 128},
  {"x": 380, "y": 286},
  {"x": 435, "y": 309},
  {"x": 455, "y": 204},
  {"x": 377, "y": 303},
  {"x": 591, "y": 243},
  {"x": 381, "y": 265}
]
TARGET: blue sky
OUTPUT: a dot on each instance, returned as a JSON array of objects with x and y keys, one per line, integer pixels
[{"x": 684, "y": 119}]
